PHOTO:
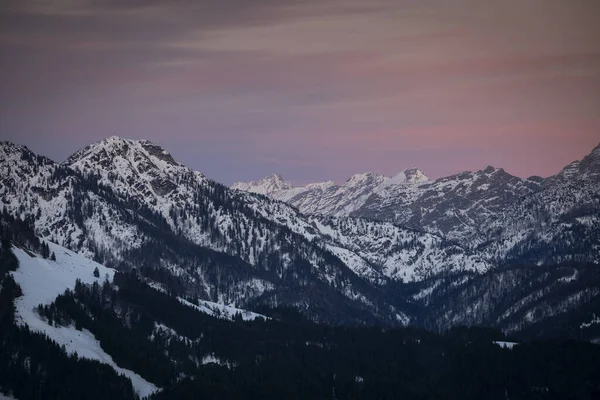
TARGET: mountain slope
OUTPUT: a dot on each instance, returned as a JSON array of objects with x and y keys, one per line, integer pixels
[
  {"x": 190, "y": 353},
  {"x": 266, "y": 186},
  {"x": 557, "y": 224},
  {"x": 325, "y": 198},
  {"x": 503, "y": 218},
  {"x": 130, "y": 205},
  {"x": 42, "y": 280},
  {"x": 453, "y": 206}
]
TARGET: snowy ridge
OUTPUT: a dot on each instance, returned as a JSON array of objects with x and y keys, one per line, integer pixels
[
  {"x": 409, "y": 176},
  {"x": 325, "y": 198},
  {"x": 222, "y": 311},
  {"x": 42, "y": 281},
  {"x": 491, "y": 212},
  {"x": 594, "y": 321},
  {"x": 118, "y": 200},
  {"x": 454, "y": 206},
  {"x": 104, "y": 202},
  {"x": 264, "y": 186}
]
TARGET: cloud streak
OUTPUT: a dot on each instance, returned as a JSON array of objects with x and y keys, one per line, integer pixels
[{"x": 313, "y": 89}]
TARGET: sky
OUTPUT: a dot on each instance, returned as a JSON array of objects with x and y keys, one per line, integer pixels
[{"x": 313, "y": 90}]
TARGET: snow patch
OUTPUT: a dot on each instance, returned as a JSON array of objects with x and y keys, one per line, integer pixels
[
  {"x": 222, "y": 311},
  {"x": 594, "y": 321},
  {"x": 42, "y": 281},
  {"x": 212, "y": 359},
  {"x": 506, "y": 345}
]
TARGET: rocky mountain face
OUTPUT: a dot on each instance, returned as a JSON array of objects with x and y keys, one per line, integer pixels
[
  {"x": 129, "y": 204},
  {"x": 454, "y": 207},
  {"x": 503, "y": 218},
  {"x": 379, "y": 250},
  {"x": 266, "y": 186},
  {"x": 558, "y": 223}
]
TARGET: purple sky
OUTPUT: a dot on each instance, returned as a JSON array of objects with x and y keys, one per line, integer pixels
[{"x": 313, "y": 89}]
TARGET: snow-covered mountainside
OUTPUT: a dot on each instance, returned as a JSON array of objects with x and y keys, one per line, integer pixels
[
  {"x": 455, "y": 206},
  {"x": 42, "y": 280},
  {"x": 129, "y": 204},
  {"x": 557, "y": 224},
  {"x": 501, "y": 217},
  {"x": 266, "y": 186},
  {"x": 395, "y": 252},
  {"x": 325, "y": 198}
]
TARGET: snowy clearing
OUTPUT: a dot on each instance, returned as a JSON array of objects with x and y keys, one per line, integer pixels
[{"x": 42, "y": 281}]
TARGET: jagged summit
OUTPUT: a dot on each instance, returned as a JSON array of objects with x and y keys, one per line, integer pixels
[
  {"x": 126, "y": 202},
  {"x": 587, "y": 168},
  {"x": 408, "y": 176},
  {"x": 266, "y": 185},
  {"x": 115, "y": 146},
  {"x": 10, "y": 150},
  {"x": 6, "y": 145},
  {"x": 366, "y": 179},
  {"x": 137, "y": 167},
  {"x": 366, "y": 176},
  {"x": 492, "y": 170},
  {"x": 18, "y": 164},
  {"x": 590, "y": 165}
]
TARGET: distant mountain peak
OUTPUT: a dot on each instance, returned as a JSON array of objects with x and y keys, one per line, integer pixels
[
  {"x": 588, "y": 167},
  {"x": 409, "y": 176},
  {"x": 492, "y": 170},
  {"x": 275, "y": 178},
  {"x": 365, "y": 177},
  {"x": 115, "y": 146},
  {"x": 266, "y": 185},
  {"x": 594, "y": 155},
  {"x": 20, "y": 156},
  {"x": 141, "y": 167}
]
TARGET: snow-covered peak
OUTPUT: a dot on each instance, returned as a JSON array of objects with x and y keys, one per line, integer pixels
[
  {"x": 137, "y": 166},
  {"x": 7, "y": 149},
  {"x": 587, "y": 168},
  {"x": 266, "y": 185},
  {"x": 590, "y": 165},
  {"x": 115, "y": 146},
  {"x": 412, "y": 176},
  {"x": 490, "y": 170},
  {"x": 570, "y": 170},
  {"x": 321, "y": 185},
  {"x": 16, "y": 153},
  {"x": 367, "y": 178},
  {"x": 18, "y": 165}
]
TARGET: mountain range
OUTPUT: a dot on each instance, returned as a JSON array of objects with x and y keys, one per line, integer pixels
[
  {"x": 400, "y": 250},
  {"x": 488, "y": 211}
]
